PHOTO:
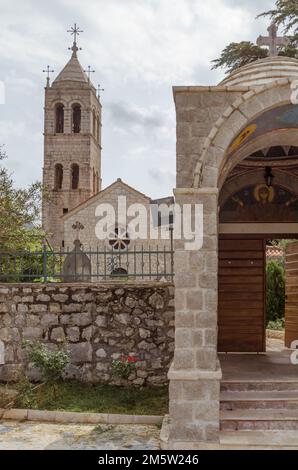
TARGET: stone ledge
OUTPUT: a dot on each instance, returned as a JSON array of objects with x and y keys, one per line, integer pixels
[
  {"x": 75, "y": 417},
  {"x": 96, "y": 285},
  {"x": 195, "y": 374},
  {"x": 178, "y": 191}
]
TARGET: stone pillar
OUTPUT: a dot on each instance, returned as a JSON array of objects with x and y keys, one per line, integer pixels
[{"x": 195, "y": 372}]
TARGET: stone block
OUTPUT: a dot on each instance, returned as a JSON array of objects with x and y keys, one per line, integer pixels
[
  {"x": 101, "y": 321},
  {"x": 32, "y": 333},
  {"x": 206, "y": 410},
  {"x": 184, "y": 359},
  {"x": 87, "y": 333},
  {"x": 43, "y": 298},
  {"x": 57, "y": 334},
  {"x": 80, "y": 352},
  {"x": 180, "y": 410},
  {"x": 181, "y": 430},
  {"x": 49, "y": 319},
  {"x": 73, "y": 334},
  {"x": 37, "y": 308},
  {"x": 3, "y": 308},
  {"x": 194, "y": 299},
  {"x": 101, "y": 353},
  {"x": 22, "y": 308},
  {"x": 206, "y": 359},
  {"x": 185, "y": 319}
]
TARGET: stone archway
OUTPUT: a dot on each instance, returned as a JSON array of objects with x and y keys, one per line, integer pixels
[
  {"x": 209, "y": 168},
  {"x": 195, "y": 373}
]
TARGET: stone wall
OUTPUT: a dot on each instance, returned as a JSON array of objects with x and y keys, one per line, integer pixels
[{"x": 100, "y": 322}]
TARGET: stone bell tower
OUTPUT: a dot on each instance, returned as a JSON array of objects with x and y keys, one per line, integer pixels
[{"x": 72, "y": 144}]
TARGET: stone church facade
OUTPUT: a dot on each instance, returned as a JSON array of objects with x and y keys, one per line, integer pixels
[
  {"x": 72, "y": 166},
  {"x": 237, "y": 155}
]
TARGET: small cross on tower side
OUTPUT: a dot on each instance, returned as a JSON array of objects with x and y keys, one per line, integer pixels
[
  {"x": 273, "y": 41},
  {"x": 48, "y": 71},
  {"x": 99, "y": 89},
  {"x": 89, "y": 71}
]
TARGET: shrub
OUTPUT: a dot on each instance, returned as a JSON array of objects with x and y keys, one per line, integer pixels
[
  {"x": 51, "y": 363},
  {"x": 122, "y": 368},
  {"x": 278, "y": 324},
  {"x": 275, "y": 301}
]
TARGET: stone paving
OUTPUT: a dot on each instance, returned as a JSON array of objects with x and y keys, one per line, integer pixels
[{"x": 47, "y": 436}]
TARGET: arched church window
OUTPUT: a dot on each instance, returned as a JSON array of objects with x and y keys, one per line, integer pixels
[
  {"x": 76, "y": 118},
  {"x": 75, "y": 176},
  {"x": 59, "y": 119},
  {"x": 58, "y": 181}
]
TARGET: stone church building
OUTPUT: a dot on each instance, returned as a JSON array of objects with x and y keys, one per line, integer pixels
[
  {"x": 237, "y": 155},
  {"x": 72, "y": 165}
]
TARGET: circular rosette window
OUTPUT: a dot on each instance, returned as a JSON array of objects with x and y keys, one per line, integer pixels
[{"x": 118, "y": 239}]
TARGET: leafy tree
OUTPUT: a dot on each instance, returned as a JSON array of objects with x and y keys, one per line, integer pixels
[
  {"x": 237, "y": 55},
  {"x": 285, "y": 13},
  {"x": 19, "y": 212}
]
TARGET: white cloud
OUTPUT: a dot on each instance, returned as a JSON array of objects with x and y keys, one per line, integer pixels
[{"x": 140, "y": 49}]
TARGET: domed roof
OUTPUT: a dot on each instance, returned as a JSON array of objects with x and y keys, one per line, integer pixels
[{"x": 263, "y": 71}]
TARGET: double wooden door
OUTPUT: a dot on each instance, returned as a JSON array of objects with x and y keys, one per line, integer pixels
[{"x": 241, "y": 295}]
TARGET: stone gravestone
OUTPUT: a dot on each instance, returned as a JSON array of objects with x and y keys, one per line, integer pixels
[
  {"x": 77, "y": 265},
  {"x": 2, "y": 352}
]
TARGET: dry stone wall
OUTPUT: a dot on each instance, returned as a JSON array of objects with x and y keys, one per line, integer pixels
[{"x": 99, "y": 323}]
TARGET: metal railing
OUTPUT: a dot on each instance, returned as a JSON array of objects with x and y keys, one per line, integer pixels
[{"x": 48, "y": 265}]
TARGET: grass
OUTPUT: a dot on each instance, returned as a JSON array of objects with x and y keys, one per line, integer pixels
[{"x": 98, "y": 398}]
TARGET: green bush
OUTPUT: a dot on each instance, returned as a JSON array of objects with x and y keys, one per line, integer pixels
[
  {"x": 51, "y": 363},
  {"x": 278, "y": 324},
  {"x": 275, "y": 302}
]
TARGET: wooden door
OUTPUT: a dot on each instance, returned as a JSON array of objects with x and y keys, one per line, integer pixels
[
  {"x": 241, "y": 296},
  {"x": 291, "y": 307}
]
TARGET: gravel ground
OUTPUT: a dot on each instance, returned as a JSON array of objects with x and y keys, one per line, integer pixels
[{"x": 38, "y": 436}]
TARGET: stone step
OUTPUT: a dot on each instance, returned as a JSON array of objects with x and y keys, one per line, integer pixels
[
  {"x": 241, "y": 420},
  {"x": 236, "y": 400},
  {"x": 250, "y": 440},
  {"x": 263, "y": 385}
]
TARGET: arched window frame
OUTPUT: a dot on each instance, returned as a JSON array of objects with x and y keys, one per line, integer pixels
[
  {"x": 58, "y": 177},
  {"x": 59, "y": 118},
  {"x": 76, "y": 118},
  {"x": 75, "y": 176}
]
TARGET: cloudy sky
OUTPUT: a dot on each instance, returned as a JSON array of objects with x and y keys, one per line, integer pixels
[{"x": 139, "y": 49}]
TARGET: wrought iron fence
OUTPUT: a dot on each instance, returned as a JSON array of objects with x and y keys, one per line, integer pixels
[{"x": 47, "y": 265}]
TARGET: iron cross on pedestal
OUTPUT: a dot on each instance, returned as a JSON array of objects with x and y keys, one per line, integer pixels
[
  {"x": 273, "y": 41},
  {"x": 75, "y": 32},
  {"x": 48, "y": 71},
  {"x": 78, "y": 227}
]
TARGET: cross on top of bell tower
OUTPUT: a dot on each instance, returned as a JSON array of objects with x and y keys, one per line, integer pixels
[
  {"x": 273, "y": 41},
  {"x": 75, "y": 32}
]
